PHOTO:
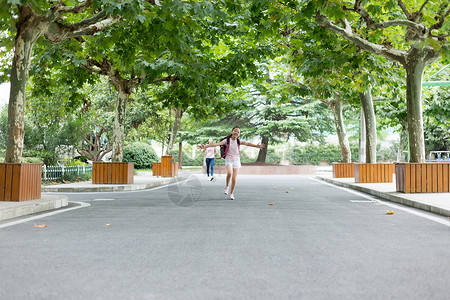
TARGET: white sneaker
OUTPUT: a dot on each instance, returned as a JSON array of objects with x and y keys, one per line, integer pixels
[
  {"x": 231, "y": 197},
  {"x": 225, "y": 191}
]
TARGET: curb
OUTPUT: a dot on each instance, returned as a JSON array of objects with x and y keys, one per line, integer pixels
[
  {"x": 11, "y": 210},
  {"x": 105, "y": 188},
  {"x": 393, "y": 197}
]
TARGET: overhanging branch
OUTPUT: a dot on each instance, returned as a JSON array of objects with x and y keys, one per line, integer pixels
[
  {"x": 347, "y": 33},
  {"x": 58, "y": 33},
  {"x": 442, "y": 18}
]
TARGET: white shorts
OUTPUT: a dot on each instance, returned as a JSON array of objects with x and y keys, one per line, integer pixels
[{"x": 236, "y": 164}]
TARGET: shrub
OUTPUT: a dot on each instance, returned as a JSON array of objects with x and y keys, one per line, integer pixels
[
  {"x": 32, "y": 160},
  {"x": 315, "y": 154},
  {"x": 272, "y": 157},
  {"x": 48, "y": 158},
  {"x": 72, "y": 162},
  {"x": 141, "y": 154}
]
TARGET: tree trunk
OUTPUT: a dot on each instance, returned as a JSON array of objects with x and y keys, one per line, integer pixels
[
  {"x": 401, "y": 155},
  {"x": 262, "y": 155},
  {"x": 414, "y": 73},
  {"x": 92, "y": 148},
  {"x": 362, "y": 138},
  {"x": 30, "y": 26},
  {"x": 29, "y": 29},
  {"x": 336, "y": 107},
  {"x": 180, "y": 154},
  {"x": 371, "y": 126},
  {"x": 119, "y": 123},
  {"x": 176, "y": 126}
]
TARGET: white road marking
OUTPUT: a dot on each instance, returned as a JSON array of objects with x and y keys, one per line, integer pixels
[
  {"x": 110, "y": 199},
  {"x": 81, "y": 205},
  {"x": 361, "y": 201},
  {"x": 405, "y": 209}
]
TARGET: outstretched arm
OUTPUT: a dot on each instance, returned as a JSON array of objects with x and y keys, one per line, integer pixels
[
  {"x": 201, "y": 146},
  {"x": 260, "y": 146}
]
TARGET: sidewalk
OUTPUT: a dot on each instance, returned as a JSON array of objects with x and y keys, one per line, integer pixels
[
  {"x": 10, "y": 210},
  {"x": 438, "y": 203}
]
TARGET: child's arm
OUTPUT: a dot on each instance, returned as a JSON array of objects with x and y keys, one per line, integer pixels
[
  {"x": 260, "y": 146},
  {"x": 201, "y": 146}
]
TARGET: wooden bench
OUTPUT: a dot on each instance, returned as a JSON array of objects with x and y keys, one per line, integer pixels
[
  {"x": 20, "y": 182},
  {"x": 374, "y": 173},
  {"x": 343, "y": 170},
  {"x": 113, "y": 173},
  {"x": 423, "y": 177}
]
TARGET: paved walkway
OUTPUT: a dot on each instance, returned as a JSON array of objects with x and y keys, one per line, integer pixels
[{"x": 438, "y": 203}]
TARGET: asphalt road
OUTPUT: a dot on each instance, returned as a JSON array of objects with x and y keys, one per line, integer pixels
[{"x": 189, "y": 241}]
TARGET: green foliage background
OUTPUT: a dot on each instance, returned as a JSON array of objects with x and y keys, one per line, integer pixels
[{"x": 141, "y": 154}]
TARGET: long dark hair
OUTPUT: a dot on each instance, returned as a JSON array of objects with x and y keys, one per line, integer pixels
[{"x": 229, "y": 136}]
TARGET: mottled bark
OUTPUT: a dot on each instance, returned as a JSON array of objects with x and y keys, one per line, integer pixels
[
  {"x": 119, "y": 124},
  {"x": 414, "y": 74},
  {"x": 29, "y": 28},
  {"x": 362, "y": 138},
  {"x": 180, "y": 154},
  {"x": 124, "y": 89},
  {"x": 178, "y": 112},
  {"x": 371, "y": 126},
  {"x": 262, "y": 155},
  {"x": 337, "y": 108}
]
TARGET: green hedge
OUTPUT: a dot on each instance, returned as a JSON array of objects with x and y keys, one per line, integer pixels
[
  {"x": 141, "y": 154},
  {"x": 316, "y": 154}
]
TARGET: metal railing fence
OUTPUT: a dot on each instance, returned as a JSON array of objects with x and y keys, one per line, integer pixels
[{"x": 57, "y": 172}]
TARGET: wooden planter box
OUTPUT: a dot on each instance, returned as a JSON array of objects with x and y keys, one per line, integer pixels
[
  {"x": 343, "y": 170},
  {"x": 20, "y": 182},
  {"x": 156, "y": 169},
  {"x": 422, "y": 177},
  {"x": 113, "y": 173},
  {"x": 374, "y": 173},
  {"x": 167, "y": 166}
]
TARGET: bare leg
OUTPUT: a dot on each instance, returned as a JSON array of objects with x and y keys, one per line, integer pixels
[
  {"x": 229, "y": 174},
  {"x": 233, "y": 180}
]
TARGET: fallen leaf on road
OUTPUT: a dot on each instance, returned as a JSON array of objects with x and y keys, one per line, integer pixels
[
  {"x": 291, "y": 188},
  {"x": 271, "y": 203},
  {"x": 389, "y": 212},
  {"x": 40, "y": 226},
  {"x": 274, "y": 187},
  {"x": 108, "y": 224},
  {"x": 287, "y": 191}
]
